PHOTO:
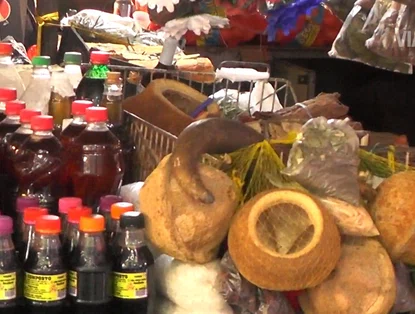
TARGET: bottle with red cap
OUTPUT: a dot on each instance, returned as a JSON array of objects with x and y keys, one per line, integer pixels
[
  {"x": 91, "y": 86},
  {"x": 78, "y": 122},
  {"x": 96, "y": 160},
  {"x": 71, "y": 235},
  {"x": 37, "y": 93},
  {"x": 65, "y": 204},
  {"x": 9, "y": 77},
  {"x": 30, "y": 214},
  {"x": 9, "y": 266},
  {"x": 6, "y": 94},
  {"x": 12, "y": 121},
  {"x": 38, "y": 164},
  {"x": 90, "y": 267},
  {"x": 45, "y": 278}
]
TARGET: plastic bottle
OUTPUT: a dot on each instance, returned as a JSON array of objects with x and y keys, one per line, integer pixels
[
  {"x": 37, "y": 93},
  {"x": 96, "y": 161},
  {"x": 90, "y": 267},
  {"x": 61, "y": 98},
  {"x": 133, "y": 267},
  {"x": 91, "y": 86},
  {"x": 38, "y": 164},
  {"x": 45, "y": 272},
  {"x": 72, "y": 61},
  {"x": 9, "y": 266},
  {"x": 117, "y": 210},
  {"x": 30, "y": 215},
  {"x": 9, "y": 77},
  {"x": 10, "y": 124},
  {"x": 104, "y": 209},
  {"x": 123, "y": 8},
  {"x": 112, "y": 98},
  {"x": 66, "y": 203},
  {"x": 22, "y": 203},
  {"x": 6, "y": 94},
  {"x": 71, "y": 235}
]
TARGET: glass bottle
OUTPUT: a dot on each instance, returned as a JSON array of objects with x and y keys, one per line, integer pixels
[
  {"x": 22, "y": 203},
  {"x": 112, "y": 98},
  {"x": 104, "y": 209},
  {"x": 61, "y": 98},
  {"x": 91, "y": 86},
  {"x": 132, "y": 86},
  {"x": 117, "y": 210},
  {"x": 9, "y": 77},
  {"x": 45, "y": 278},
  {"x": 96, "y": 160},
  {"x": 37, "y": 93},
  {"x": 90, "y": 267},
  {"x": 9, "y": 266},
  {"x": 133, "y": 268},
  {"x": 66, "y": 203},
  {"x": 30, "y": 215},
  {"x": 72, "y": 62},
  {"x": 6, "y": 94},
  {"x": 38, "y": 164},
  {"x": 71, "y": 235}
]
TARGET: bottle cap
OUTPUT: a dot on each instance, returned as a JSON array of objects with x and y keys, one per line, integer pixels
[
  {"x": 27, "y": 114},
  {"x": 100, "y": 57},
  {"x": 120, "y": 208},
  {"x": 96, "y": 114},
  {"x": 6, "y": 225},
  {"x": 132, "y": 219},
  {"x": 93, "y": 223},
  {"x": 24, "y": 202},
  {"x": 75, "y": 214},
  {"x": 79, "y": 107},
  {"x": 41, "y": 123},
  {"x": 6, "y": 49},
  {"x": 72, "y": 58},
  {"x": 48, "y": 224},
  {"x": 106, "y": 201},
  {"x": 65, "y": 203},
  {"x": 113, "y": 77},
  {"x": 7, "y": 94},
  {"x": 41, "y": 61},
  {"x": 14, "y": 107},
  {"x": 30, "y": 214}
]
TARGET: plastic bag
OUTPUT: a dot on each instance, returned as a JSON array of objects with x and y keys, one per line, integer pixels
[
  {"x": 325, "y": 160},
  {"x": 350, "y": 45},
  {"x": 375, "y": 15},
  {"x": 405, "y": 291},
  {"x": 130, "y": 193},
  {"x": 393, "y": 38},
  {"x": 244, "y": 297}
]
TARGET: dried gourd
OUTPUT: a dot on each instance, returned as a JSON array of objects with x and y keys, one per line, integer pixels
[
  {"x": 284, "y": 240},
  {"x": 351, "y": 220},
  {"x": 394, "y": 216},
  {"x": 189, "y": 206},
  {"x": 362, "y": 283}
]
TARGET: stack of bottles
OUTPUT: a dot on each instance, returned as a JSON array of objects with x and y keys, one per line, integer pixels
[{"x": 71, "y": 260}]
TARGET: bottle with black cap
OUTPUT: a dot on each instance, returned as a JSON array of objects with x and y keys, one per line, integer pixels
[{"x": 133, "y": 267}]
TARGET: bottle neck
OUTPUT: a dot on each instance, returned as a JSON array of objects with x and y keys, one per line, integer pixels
[
  {"x": 49, "y": 242},
  {"x": 6, "y": 243},
  {"x": 169, "y": 49},
  {"x": 28, "y": 233},
  {"x": 131, "y": 237},
  {"x": 6, "y": 59},
  {"x": 71, "y": 232},
  {"x": 92, "y": 241},
  {"x": 78, "y": 119},
  {"x": 12, "y": 119},
  {"x": 97, "y": 126},
  {"x": 44, "y": 133},
  {"x": 97, "y": 71},
  {"x": 24, "y": 129},
  {"x": 41, "y": 72}
]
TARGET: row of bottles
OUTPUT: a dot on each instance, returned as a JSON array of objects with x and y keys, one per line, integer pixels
[
  {"x": 78, "y": 263},
  {"x": 86, "y": 161}
]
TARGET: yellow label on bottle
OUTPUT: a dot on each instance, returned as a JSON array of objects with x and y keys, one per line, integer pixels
[
  {"x": 45, "y": 287},
  {"x": 130, "y": 285},
  {"x": 7, "y": 286},
  {"x": 72, "y": 283}
]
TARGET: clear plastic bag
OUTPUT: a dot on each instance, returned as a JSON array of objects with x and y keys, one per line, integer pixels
[
  {"x": 394, "y": 36},
  {"x": 244, "y": 297},
  {"x": 350, "y": 45},
  {"x": 325, "y": 160},
  {"x": 375, "y": 15}
]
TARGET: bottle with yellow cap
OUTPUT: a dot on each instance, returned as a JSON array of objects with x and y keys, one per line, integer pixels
[
  {"x": 90, "y": 285},
  {"x": 45, "y": 271}
]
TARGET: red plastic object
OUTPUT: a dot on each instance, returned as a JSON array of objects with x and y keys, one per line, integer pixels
[
  {"x": 79, "y": 107},
  {"x": 32, "y": 52},
  {"x": 48, "y": 224},
  {"x": 99, "y": 57},
  {"x": 8, "y": 94},
  {"x": 42, "y": 123},
  {"x": 96, "y": 114},
  {"x": 27, "y": 114},
  {"x": 14, "y": 107},
  {"x": 6, "y": 49}
]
